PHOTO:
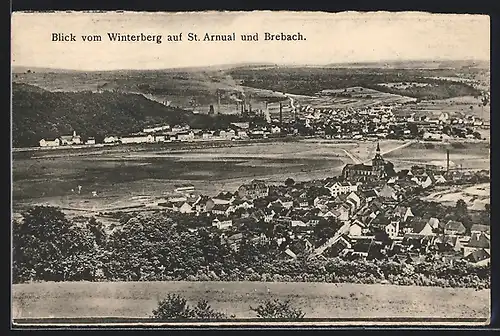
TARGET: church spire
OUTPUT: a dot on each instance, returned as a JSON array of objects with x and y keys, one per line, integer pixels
[{"x": 378, "y": 147}]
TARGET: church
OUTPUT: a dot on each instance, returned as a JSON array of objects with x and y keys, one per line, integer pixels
[{"x": 363, "y": 173}]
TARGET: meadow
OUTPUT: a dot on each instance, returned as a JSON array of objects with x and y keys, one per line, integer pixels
[
  {"x": 126, "y": 176},
  {"x": 122, "y": 175},
  {"x": 352, "y": 97},
  {"x": 317, "y": 300},
  {"x": 467, "y": 155}
]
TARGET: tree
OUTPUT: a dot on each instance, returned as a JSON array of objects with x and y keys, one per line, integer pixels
[
  {"x": 276, "y": 309},
  {"x": 413, "y": 129},
  {"x": 325, "y": 229},
  {"x": 289, "y": 182},
  {"x": 47, "y": 246},
  {"x": 461, "y": 207}
]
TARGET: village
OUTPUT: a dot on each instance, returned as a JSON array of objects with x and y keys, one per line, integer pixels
[
  {"x": 368, "y": 212},
  {"x": 284, "y": 120}
]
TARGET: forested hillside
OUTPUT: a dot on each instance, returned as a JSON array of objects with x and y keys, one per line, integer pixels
[{"x": 37, "y": 114}]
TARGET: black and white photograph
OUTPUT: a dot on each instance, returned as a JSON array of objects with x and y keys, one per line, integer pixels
[{"x": 250, "y": 168}]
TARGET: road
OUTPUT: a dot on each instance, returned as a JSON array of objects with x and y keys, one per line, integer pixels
[
  {"x": 352, "y": 157},
  {"x": 394, "y": 149}
]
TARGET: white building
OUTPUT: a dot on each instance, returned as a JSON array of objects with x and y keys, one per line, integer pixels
[
  {"x": 111, "y": 139},
  {"x": 50, "y": 143},
  {"x": 137, "y": 139}
]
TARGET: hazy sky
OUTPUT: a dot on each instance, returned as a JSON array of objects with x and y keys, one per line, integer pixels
[{"x": 331, "y": 38}]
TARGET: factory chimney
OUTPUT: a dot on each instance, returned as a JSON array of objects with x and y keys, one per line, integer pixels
[
  {"x": 447, "y": 162},
  {"x": 281, "y": 114},
  {"x": 218, "y": 102}
]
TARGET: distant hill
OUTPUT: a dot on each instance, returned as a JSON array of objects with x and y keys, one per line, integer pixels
[
  {"x": 416, "y": 64},
  {"x": 37, "y": 114}
]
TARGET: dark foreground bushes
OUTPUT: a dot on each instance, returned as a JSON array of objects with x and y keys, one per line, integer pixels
[
  {"x": 175, "y": 307},
  {"x": 50, "y": 247}
]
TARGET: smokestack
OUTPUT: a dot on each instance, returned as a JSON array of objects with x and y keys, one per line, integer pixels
[
  {"x": 281, "y": 114},
  {"x": 218, "y": 102},
  {"x": 447, "y": 162}
]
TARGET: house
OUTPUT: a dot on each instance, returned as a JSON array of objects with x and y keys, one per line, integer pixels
[
  {"x": 90, "y": 141},
  {"x": 222, "y": 224},
  {"x": 239, "y": 204},
  {"x": 339, "y": 246},
  {"x": 183, "y": 207},
  {"x": 355, "y": 199},
  {"x": 224, "y": 198},
  {"x": 71, "y": 139},
  {"x": 285, "y": 202},
  {"x": 222, "y": 209},
  {"x": 321, "y": 200},
  {"x": 111, "y": 139},
  {"x": 439, "y": 179},
  {"x": 424, "y": 181},
  {"x": 134, "y": 139},
  {"x": 434, "y": 223},
  {"x": 258, "y": 215},
  {"x": 479, "y": 228},
  {"x": 479, "y": 257},
  {"x": 357, "y": 228},
  {"x": 50, "y": 143},
  {"x": 254, "y": 189},
  {"x": 160, "y": 138},
  {"x": 454, "y": 228},
  {"x": 336, "y": 188},
  {"x": 478, "y": 241},
  {"x": 298, "y": 222},
  {"x": 203, "y": 204},
  {"x": 392, "y": 229},
  {"x": 419, "y": 226},
  {"x": 184, "y": 188},
  {"x": 343, "y": 212},
  {"x": 404, "y": 213},
  {"x": 446, "y": 243},
  {"x": 387, "y": 192},
  {"x": 269, "y": 214},
  {"x": 185, "y": 136},
  {"x": 329, "y": 213},
  {"x": 370, "y": 195}
]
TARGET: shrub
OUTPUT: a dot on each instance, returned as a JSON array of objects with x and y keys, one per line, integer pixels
[
  {"x": 203, "y": 311},
  {"x": 277, "y": 309},
  {"x": 175, "y": 307}
]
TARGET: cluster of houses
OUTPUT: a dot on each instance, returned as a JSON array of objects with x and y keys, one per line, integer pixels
[
  {"x": 364, "y": 214},
  {"x": 66, "y": 140},
  {"x": 374, "y": 122},
  {"x": 383, "y": 121}
]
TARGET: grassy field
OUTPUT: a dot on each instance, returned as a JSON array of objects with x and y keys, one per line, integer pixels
[
  {"x": 121, "y": 175},
  {"x": 351, "y": 97},
  {"x": 466, "y": 155},
  {"x": 129, "y": 176},
  {"x": 466, "y": 105},
  {"x": 317, "y": 300},
  {"x": 476, "y": 196}
]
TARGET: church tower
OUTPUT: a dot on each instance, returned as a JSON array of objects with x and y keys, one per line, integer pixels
[{"x": 378, "y": 164}]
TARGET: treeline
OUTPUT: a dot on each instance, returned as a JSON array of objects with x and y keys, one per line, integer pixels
[
  {"x": 50, "y": 247},
  {"x": 38, "y": 114},
  {"x": 309, "y": 81}
]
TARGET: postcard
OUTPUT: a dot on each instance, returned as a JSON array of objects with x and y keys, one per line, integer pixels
[{"x": 250, "y": 168}]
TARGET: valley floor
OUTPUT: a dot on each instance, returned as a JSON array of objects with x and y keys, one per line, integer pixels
[{"x": 317, "y": 300}]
